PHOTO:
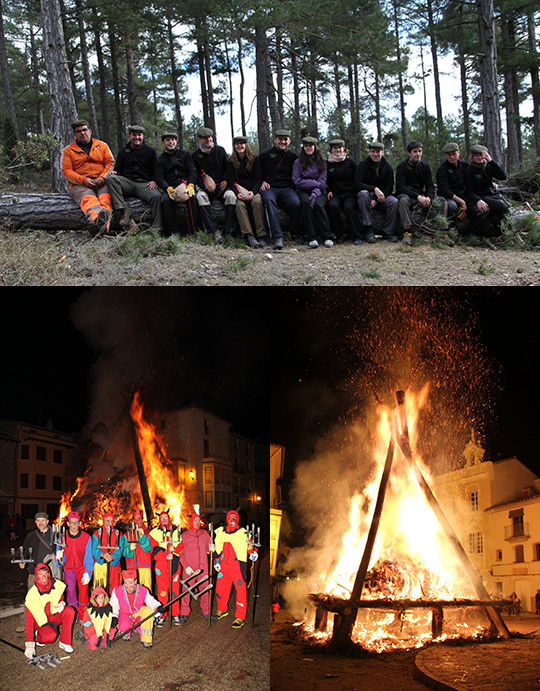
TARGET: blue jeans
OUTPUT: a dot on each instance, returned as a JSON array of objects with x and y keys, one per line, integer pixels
[{"x": 287, "y": 198}]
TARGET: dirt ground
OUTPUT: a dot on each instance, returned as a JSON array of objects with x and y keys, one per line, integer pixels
[
  {"x": 499, "y": 666},
  {"x": 189, "y": 657},
  {"x": 69, "y": 258}
]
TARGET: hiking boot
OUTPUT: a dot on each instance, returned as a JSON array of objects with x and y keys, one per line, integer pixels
[
  {"x": 369, "y": 237},
  {"x": 340, "y": 240},
  {"x": 218, "y": 237},
  {"x": 238, "y": 623},
  {"x": 278, "y": 244},
  {"x": 358, "y": 241},
  {"x": 328, "y": 243},
  {"x": 262, "y": 242},
  {"x": 390, "y": 238},
  {"x": 253, "y": 243},
  {"x": 103, "y": 221},
  {"x": 124, "y": 218},
  {"x": 222, "y": 615},
  {"x": 130, "y": 226},
  {"x": 313, "y": 244}
]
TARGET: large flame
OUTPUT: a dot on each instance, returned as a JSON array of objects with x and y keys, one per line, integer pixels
[
  {"x": 411, "y": 557},
  {"x": 120, "y": 492}
]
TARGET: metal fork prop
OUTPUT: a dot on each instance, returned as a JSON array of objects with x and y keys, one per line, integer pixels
[
  {"x": 40, "y": 661},
  {"x": 21, "y": 559},
  {"x": 189, "y": 590}
]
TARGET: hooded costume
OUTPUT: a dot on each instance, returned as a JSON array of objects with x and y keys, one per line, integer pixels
[
  {"x": 107, "y": 575},
  {"x": 231, "y": 556},
  {"x": 164, "y": 542},
  {"x": 97, "y": 622},
  {"x": 194, "y": 556},
  {"x": 130, "y": 608},
  {"x": 46, "y": 612},
  {"x": 138, "y": 555},
  {"x": 77, "y": 561}
]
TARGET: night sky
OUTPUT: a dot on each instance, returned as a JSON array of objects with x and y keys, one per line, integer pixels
[{"x": 268, "y": 360}]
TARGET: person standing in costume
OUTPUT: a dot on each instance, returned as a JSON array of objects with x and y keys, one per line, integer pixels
[
  {"x": 97, "y": 621},
  {"x": 194, "y": 556},
  {"x": 230, "y": 563},
  {"x": 131, "y": 603},
  {"x": 166, "y": 548},
  {"x": 108, "y": 545},
  {"x": 78, "y": 563},
  {"x": 138, "y": 554},
  {"x": 46, "y": 612}
]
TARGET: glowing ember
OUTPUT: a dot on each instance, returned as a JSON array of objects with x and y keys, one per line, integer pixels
[{"x": 120, "y": 492}]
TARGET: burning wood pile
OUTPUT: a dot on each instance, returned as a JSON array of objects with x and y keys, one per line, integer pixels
[
  {"x": 419, "y": 568},
  {"x": 132, "y": 473}
]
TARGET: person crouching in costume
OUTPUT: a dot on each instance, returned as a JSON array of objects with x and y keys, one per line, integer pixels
[
  {"x": 138, "y": 554},
  {"x": 46, "y": 613},
  {"x": 230, "y": 563},
  {"x": 108, "y": 546},
  {"x": 131, "y": 603},
  {"x": 97, "y": 621},
  {"x": 166, "y": 548}
]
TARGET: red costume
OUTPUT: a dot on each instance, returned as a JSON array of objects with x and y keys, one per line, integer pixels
[
  {"x": 77, "y": 561},
  {"x": 46, "y": 611},
  {"x": 194, "y": 556},
  {"x": 165, "y": 539},
  {"x": 97, "y": 622}
]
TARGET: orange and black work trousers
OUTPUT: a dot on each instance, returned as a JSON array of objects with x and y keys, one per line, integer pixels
[{"x": 90, "y": 200}]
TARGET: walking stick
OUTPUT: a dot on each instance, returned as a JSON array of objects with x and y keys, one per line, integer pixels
[
  {"x": 189, "y": 589},
  {"x": 254, "y": 542},
  {"x": 211, "y": 574}
]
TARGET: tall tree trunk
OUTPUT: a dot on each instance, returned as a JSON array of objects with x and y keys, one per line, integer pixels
[
  {"x": 242, "y": 85},
  {"x": 40, "y": 127},
  {"x": 514, "y": 151},
  {"x": 296, "y": 90},
  {"x": 339, "y": 103},
  {"x": 488, "y": 79},
  {"x": 352, "y": 107},
  {"x": 202, "y": 80},
  {"x": 357, "y": 150},
  {"x": 271, "y": 94},
  {"x": 261, "y": 48},
  {"x": 535, "y": 80},
  {"x": 436, "y": 79},
  {"x": 133, "y": 106},
  {"x": 120, "y": 128},
  {"x": 279, "y": 77},
  {"x": 70, "y": 61},
  {"x": 231, "y": 98},
  {"x": 105, "y": 127},
  {"x": 86, "y": 69},
  {"x": 61, "y": 99},
  {"x": 400, "y": 78},
  {"x": 424, "y": 88},
  {"x": 4, "y": 71},
  {"x": 208, "y": 71},
  {"x": 174, "y": 81},
  {"x": 378, "y": 106}
]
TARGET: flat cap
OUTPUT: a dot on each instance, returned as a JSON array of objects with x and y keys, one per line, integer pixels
[
  {"x": 41, "y": 514},
  {"x": 376, "y": 145},
  {"x": 240, "y": 138},
  {"x": 282, "y": 133},
  {"x": 310, "y": 140},
  {"x": 451, "y": 146},
  {"x": 204, "y": 132},
  {"x": 336, "y": 142},
  {"x": 79, "y": 123},
  {"x": 478, "y": 149},
  {"x": 137, "y": 129},
  {"x": 169, "y": 134}
]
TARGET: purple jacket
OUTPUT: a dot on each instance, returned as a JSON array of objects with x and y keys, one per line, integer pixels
[{"x": 309, "y": 179}]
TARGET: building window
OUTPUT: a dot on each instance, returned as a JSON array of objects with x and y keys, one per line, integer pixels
[
  {"x": 473, "y": 496},
  {"x": 498, "y": 555},
  {"x": 517, "y": 526},
  {"x": 24, "y": 480},
  {"x": 25, "y": 451},
  {"x": 41, "y": 453},
  {"x": 40, "y": 481},
  {"x": 479, "y": 543},
  {"x": 208, "y": 477},
  {"x": 57, "y": 483},
  {"x": 536, "y": 550},
  {"x": 208, "y": 499},
  {"x": 206, "y": 450},
  {"x": 206, "y": 428},
  {"x": 519, "y": 553},
  {"x": 498, "y": 588},
  {"x": 57, "y": 455}
]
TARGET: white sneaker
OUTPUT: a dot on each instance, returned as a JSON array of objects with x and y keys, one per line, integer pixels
[
  {"x": 328, "y": 243},
  {"x": 313, "y": 244},
  {"x": 66, "y": 647}
]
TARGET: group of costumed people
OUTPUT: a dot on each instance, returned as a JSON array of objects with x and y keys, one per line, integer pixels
[{"x": 121, "y": 599}]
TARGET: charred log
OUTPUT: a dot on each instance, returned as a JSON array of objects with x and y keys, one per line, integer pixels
[{"x": 338, "y": 605}]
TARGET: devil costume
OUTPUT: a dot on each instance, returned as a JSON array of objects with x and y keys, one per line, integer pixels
[
  {"x": 164, "y": 542},
  {"x": 194, "y": 556},
  {"x": 97, "y": 622}
]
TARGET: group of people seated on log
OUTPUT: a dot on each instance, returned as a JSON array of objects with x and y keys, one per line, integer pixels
[
  {"x": 81, "y": 578},
  {"x": 313, "y": 192}
]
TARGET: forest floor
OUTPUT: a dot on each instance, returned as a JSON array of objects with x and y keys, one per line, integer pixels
[{"x": 70, "y": 258}]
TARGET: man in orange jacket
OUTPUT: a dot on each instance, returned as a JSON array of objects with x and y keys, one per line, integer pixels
[{"x": 86, "y": 162}]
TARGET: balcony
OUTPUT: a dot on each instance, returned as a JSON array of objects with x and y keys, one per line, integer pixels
[{"x": 518, "y": 532}]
